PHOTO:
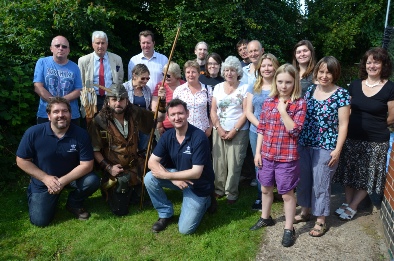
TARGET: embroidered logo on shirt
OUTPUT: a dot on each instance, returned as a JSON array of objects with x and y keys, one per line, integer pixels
[
  {"x": 73, "y": 148},
  {"x": 187, "y": 151}
]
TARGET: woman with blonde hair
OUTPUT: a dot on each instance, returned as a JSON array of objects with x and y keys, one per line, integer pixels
[
  {"x": 171, "y": 81},
  {"x": 256, "y": 94}
]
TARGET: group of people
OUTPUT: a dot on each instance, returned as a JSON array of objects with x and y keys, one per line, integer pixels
[{"x": 304, "y": 132}]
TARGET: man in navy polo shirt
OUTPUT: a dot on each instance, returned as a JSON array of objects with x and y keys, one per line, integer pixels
[
  {"x": 57, "y": 154},
  {"x": 187, "y": 149}
]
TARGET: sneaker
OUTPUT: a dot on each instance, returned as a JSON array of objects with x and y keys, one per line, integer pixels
[
  {"x": 79, "y": 213},
  {"x": 288, "y": 237},
  {"x": 254, "y": 183},
  {"x": 257, "y": 205},
  {"x": 263, "y": 223}
]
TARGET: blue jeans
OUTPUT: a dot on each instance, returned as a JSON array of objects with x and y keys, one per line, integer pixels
[
  {"x": 42, "y": 206},
  {"x": 253, "y": 142},
  {"x": 193, "y": 206}
]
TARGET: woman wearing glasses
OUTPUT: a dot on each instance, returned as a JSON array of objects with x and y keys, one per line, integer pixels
[
  {"x": 172, "y": 81},
  {"x": 212, "y": 75},
  {"x": 140, "y": 95},
  {"x": 197, "y": 96}
]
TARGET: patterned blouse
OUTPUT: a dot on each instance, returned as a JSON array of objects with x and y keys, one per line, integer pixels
[
  {"x": 196, "y": 103},
  {"x": 321, "y": 122},
  {"x": 278, "y": 143}
]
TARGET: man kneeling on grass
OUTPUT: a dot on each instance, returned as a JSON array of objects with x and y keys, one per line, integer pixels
[
  {"x": 186, "y": 148},
  {"x": 57, "y": 154}
]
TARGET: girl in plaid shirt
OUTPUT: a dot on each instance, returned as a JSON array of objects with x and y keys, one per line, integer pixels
[{"x": 280, "y": 124}]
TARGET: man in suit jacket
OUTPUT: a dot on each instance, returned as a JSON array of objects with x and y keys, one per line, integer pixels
[{"x": 91, "y": 65}]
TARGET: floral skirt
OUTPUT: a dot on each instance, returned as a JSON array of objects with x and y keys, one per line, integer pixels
[{"x": 362, "y": 165}]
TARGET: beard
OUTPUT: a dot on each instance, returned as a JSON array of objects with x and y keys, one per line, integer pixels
[
  {"x": 118, "y": 110},
  {"x": 61, "y": 125}
]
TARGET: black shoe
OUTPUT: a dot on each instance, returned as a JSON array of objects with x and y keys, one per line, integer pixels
[
  {"x": 288, "y": 237},
  {"x": 263, "y": 223},
  {"x": 79, "y": 213},
  {"x": 161, "y": 224},
  {"x": 257, "y": 205},
  {"x": 214, "y": 205}
]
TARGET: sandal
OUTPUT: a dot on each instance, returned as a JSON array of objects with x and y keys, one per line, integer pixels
[
  {"x": 340, "y": 210},
  {"x": 303, "y": 218},
  {"x": 320, "y": 232},
  {"x": 347, "y": 217}
]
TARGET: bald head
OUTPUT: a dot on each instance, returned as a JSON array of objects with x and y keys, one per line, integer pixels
[
  {"x": 60, "y": 49},
  {"x": 255, "y": 51}
]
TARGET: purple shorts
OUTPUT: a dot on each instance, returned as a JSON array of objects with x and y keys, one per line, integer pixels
[{"x": 286, "y": 175}]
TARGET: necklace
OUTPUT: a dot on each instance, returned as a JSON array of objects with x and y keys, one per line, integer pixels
[{"x": 372, "y": 85}]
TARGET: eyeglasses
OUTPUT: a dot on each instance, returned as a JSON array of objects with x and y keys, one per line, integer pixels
[
  {"x": 213, "y": 64},
  {"x": 145, "y": 78},
  {"x": 63, "y": 46},
  {"x": 168, "y": 75}
]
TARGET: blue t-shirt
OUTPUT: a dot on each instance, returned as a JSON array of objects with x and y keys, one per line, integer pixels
[
  {"x": 320, "y": 128},
  {"x": 139, "y": 101},
  {"x": 194, "y": 150},
  {"x": 52, "y": 155},
  {"x": 58, "y": 80},
  {"x": 257, "y": 102}
]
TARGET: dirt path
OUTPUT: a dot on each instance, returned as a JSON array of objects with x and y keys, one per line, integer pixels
[{"x": 359, "y": 239}]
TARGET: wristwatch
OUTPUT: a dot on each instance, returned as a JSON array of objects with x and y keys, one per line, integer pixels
[{"x": 236, "y": 129}]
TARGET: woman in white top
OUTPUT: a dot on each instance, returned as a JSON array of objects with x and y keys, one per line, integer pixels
[
  {"x": 230, "y": 135},
  {"x": 197, "y": 96}
]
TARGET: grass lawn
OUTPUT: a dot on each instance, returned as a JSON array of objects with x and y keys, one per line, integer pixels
[{"x": 224, "y": 235}]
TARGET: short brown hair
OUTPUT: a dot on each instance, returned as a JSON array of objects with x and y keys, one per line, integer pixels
[
  {"x": 140, "y": 69},
  {"x": 333, "y": 67},
  {"x": 240, "y": 43},
  {"x": 378, "y": 54},
  {"x": 191, "y": 63},
  {"x": 56, "y": 100},
  {"x": 146, "y": 33}
]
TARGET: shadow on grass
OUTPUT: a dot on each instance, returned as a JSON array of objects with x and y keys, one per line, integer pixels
[{"x": 60, "y": 240}]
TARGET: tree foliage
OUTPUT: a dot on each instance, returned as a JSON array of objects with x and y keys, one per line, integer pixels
[{"x": 344, "y": 28}]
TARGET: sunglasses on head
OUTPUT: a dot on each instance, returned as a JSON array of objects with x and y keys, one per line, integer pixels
[
  {"x": 167, "y": 75},
  {"x": 63, "y": 46}
]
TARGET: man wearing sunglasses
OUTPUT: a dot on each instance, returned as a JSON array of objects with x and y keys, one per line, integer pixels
[
  {"x": 56, "y": 76},
  {"x": 100, "y": 67},
  {"x": 153, "y": 60}
]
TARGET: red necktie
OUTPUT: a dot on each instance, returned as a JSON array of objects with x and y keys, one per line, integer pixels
[{"x": 101, "y": 77}]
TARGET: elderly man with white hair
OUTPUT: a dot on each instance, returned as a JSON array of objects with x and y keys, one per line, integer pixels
[
  {"x": 230, "y": 135},
  {"x": 100, "y": 67},
  {"x": 255, "y": 51}
]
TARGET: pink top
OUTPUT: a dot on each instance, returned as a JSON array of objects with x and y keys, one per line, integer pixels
[{"x": 169, "y": 92}]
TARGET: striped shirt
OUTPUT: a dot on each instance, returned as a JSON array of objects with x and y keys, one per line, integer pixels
[
  {"x": 155, "y": 65},
  {"x": 278, "y": 143}
]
